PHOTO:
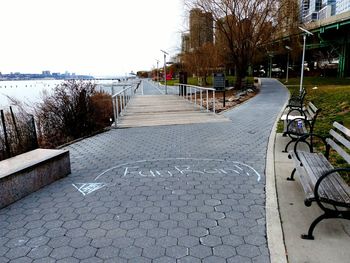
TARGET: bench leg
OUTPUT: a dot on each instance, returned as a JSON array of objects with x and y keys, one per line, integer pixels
[
  {"x": 291, "y": 178},
  {"x": 286, "y": 148},
  {"x": 309, "y": 235}
]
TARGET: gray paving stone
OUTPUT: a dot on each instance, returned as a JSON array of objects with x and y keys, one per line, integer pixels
[
  {"x": 4, "y": 260},
  {"x": 78, "y": 242},
  {"x": 188, "y": 241},
  {"x": 17, "y": 252},
  {"x": 59, "y": 242},
  {"x": 153, "y": 252},
  {"x": 214, "y": 259},
  {"x": 200, "y": 251},
  {"x": 17, "y": 242},
  {"x": 239, "y": 259},
  {"x": 210, "y": 240},
  {"x": 62, "y": 252},
  {"x": 248, "y": 250},
  {"x": 130, "y": 252},
  {"x": 84, "y": 252},
  {"x": 107, "y": 253},
  {"x": 39, "y": 252},
  {"x": 189, "y": 259},
  {"x": 22, "y": 260},
  {"x": 224, "y": 251},
  {"x": 177, "y": 252}
]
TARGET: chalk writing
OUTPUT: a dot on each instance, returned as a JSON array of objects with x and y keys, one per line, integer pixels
[{"x": 180, "y": 168}]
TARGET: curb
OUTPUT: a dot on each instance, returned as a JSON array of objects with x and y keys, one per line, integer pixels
[{"x": 275, "y": 238}]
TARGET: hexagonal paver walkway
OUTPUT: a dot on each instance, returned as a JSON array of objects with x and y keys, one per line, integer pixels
[{"x": 184, "y": 193}]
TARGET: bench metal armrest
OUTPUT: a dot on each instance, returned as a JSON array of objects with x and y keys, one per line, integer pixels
[
  {"x": 303, "y": 139},
  {"x": 319, "y": 181}
]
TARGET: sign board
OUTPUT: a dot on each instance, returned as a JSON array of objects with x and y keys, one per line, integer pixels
[{"x": 219, "y": 81}]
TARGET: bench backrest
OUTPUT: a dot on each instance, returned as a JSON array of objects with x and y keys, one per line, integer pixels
[
  {"x": 340, "y": 140},
  {"x": 311, "y": 112}
]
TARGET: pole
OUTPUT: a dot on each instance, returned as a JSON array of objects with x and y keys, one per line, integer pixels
[
  {"x": 287, "y": 67},
  {"x": 166, "y": 91},
  {"x": 158, "y": 71},
  {"x": 165, "y": 53},
  {"x": 302, "y": 65}
]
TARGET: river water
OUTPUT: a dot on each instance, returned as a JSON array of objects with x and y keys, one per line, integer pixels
[{"x": 30, "y": 91}]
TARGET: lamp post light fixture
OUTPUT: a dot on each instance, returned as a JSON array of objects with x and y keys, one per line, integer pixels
[
  {"x": 306, "y": 32},
  {"x": 165, "y": 53},
  {"x": 289, "y": 49}
]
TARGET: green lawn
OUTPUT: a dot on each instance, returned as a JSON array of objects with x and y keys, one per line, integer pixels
[
  {"x": 334, "y": 102},
  {"x": 194, "y": 81},
  {"x": 317, "y": 81}
]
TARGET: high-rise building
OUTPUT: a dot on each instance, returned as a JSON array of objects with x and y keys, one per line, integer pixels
[
  {"x": 185, "y": 42},
  {"x": 312, "y": 10},
  {"x": 201, "y": 28},
  {"x": 342, "y": 6}
]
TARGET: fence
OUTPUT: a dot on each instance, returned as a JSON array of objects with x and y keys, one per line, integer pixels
[
  {"x": 122, "y": 98},
  {"x": 187, "y": 91},
  {"x": 17, "y": 134}
]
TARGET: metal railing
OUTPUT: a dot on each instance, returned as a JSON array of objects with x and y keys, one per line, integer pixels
[
  {"x": 121, "y": 99},
  {"x": 187, "y": 92}
]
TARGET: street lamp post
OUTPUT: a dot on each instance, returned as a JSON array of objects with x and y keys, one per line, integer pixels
[
  {"x": 165, "y": 53},
  {"x": 306, "y": 32},
  {"x": 270, "y": 55},
  {"x": 157, "y": 73},
  {"x": 289, "y": 49}
]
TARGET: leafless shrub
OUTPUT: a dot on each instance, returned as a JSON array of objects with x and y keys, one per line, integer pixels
[
  {"x": 17, "y": 132},
  {"x": 74, "y": 110}
]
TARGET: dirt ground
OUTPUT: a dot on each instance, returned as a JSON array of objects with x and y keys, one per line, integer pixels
[{"x": 232, "y": 98}]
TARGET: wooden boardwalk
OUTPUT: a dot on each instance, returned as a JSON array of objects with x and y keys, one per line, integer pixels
[{"x": 156, "y": 110}]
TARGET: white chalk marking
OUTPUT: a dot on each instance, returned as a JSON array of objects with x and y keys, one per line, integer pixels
[
  {"x": 239, "y": 168},
  {"x": 126, "y": 171},
  {"x": 88, "y": 188}
]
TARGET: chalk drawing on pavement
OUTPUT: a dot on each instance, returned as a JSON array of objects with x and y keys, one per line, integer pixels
[{"x": 180, "y": 168}]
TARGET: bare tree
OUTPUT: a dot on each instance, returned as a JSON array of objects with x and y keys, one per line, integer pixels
[
  {"x": 242, "y": 27},
  {"x": 202, "y": 61}
]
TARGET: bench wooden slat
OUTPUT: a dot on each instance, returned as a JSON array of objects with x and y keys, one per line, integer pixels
[
  {"x": 314, "y": 166},
  {"x": 340, "y": 138},
  {"x": 312, "y": 106},
  {"x": 341, "y": 128},
  {"x": 339, "y": 150},
  {"x": 333, "y": 186},
  {"x": 312, "y": 169}
]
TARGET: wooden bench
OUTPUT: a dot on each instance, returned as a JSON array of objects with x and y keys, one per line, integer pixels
[
  {"x": 296, "y": 100},
  {"x": 321, "y": 182},
  {"x": 30, "y": 171},
  {"x": 299, "y": 122}
]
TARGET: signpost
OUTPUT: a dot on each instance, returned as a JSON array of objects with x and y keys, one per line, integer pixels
[{"x": 219, "y": 84}]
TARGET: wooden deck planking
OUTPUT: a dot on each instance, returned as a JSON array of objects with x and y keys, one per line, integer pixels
[{"x": 157, "y": 110}]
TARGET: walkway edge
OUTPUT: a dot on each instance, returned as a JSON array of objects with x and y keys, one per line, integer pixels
[{"x": 275, "y": 238}]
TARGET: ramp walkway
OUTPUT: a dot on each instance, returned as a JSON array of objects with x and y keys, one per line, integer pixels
[
  {"x": 150, "y": 107},
  {"x": 155, "y": 110}
]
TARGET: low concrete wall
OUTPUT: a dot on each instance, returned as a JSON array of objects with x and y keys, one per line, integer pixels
[{"x": 28, "y": 172}]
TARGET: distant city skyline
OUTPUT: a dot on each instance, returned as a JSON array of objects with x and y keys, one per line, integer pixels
[{"x": 92, "y": 37}]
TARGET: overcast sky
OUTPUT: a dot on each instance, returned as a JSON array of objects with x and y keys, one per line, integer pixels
[{"x": 98, "y": 37}]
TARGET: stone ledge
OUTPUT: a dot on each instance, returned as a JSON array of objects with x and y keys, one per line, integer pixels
[{"x": 28, "y": 172}]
